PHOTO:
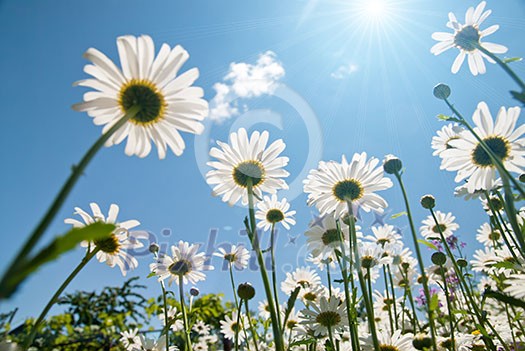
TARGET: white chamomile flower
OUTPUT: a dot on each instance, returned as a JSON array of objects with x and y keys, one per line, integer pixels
[
  {"x": 271, "y": 211},
  {"x": 385, "y": 234},
  {"x": 488, "y": 236},
  {"x": 332, "y": 185},
  {"x": 329, "y": 314},
  {"x": 173, "y": 317},
  {"x": 184, "y": 263},
  {"x": 130, "y": 339},
  {"x": 303, "y": 277},
  {"x": 390, "y": 341},
  {"x": 201, "y": 328},
  {"x": 472, "y": 162},
  {"x": 467, "y": 39},
  {"x": 323, "y": 239},
  {"x": 247, "y": 160},
  {"x": 113, "y": 250},
  {"x": 237, "y": 256},
  {"x": 234, "y": 324},
  {"x": 167, "y": 102},
  {"x": 445, "y": 225},
  {"x": 147, "y": 344},
  {"x": 516, "y": 284},
  {"x": 440, "y": 142}
]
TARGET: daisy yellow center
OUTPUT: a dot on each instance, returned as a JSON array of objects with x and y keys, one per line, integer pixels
[
  {"x": 384, "y": 347},
  {"x": 348, "y": 190},
  {"x": 494, "y": 236},
  {"x": 467, "y": 38},
  {"x": 147, "y": 96},
  {"x": 330, "y": 236},
  {"x": 310, "y": 296},
  {"x": 274, "y": 215},
  {"x": 291, "y": 324},
  {"x": 328, "y": 318},
  {"x": 247, "y": 170},
  {"x": 181, "y": 267},
  {"x": 499, "y": 146},
  {"x": 235, "y": 327},
  {"x": 439, "y": 228},
  {"x": 109, "y": 245},
  {"x": 231, "y": 257},
  {"x": 368, "y": 261}
]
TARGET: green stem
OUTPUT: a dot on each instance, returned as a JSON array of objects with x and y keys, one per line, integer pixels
[
  {"x": 503, "y": 65},
  {"x": 274, "y": 277},
  {"x": 233, "y": 286},
  {"x": 362, "y": 283},
  {"x": 468, "y": 294},
  {"x": 252, "y": 233},
  {"x": 77, "y": 171},
  {"x": 430, "y": 313},
  {"x": 392, "y": 288},
  {"x": 184, "y": 316},
  {"x": 54, "y": 298},
  {"x": 237, "y": 327},
  {"x": 449, "y": 308},
  {"x": 166, "y": 321},
  {"x": 390, "y": 319},
  {"x": 329, "y": 278},
  {"x": 252, "y": 327}
]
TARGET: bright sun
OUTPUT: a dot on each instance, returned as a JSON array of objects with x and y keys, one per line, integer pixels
[{"x": 374, "y": 8}]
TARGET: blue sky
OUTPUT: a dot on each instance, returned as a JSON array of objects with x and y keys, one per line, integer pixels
[{"x": 360, "y": 83}]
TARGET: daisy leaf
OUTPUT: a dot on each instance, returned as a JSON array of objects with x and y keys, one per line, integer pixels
[
  {"x": 55, "y": 249},
  {"x": 512, "y": 59}
]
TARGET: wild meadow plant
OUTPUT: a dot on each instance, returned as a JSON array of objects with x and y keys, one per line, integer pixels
[{"x": 379, "y": 294}]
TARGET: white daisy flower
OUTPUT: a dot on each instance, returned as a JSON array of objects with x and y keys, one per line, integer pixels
[
  {"x": 184, "y": 262},
  {"x": 516, "y": 286},
  {"x": 201, "y": 328},
  {"x": 488, "y": 236},
  {"x": 385, "y": 234},
  {"x": 329, "y": 314},
  {"x": 238, "y": 256},
  {"x": 303, "y": 277},
  {"x": 449, "y": 132},
  {"x": 322, "y": 240},
  {"x": 245, "y": 159},
  {"x": 484, "y": 260},
  {"x": 130, "y": 339},
  {"x": 445, "y": 223},
  {"x": 472, "y": 162},
  {"x": 168, "y": 103},
  {"x": 147, "y": 344},
  {"x": 467, "y": 37},
  {"x": 173, "y": 317},
  {"x": 391, "y": 342},
  {"x": 229, "y": 326},
  {"x": 333, "y": 184},
  {"x": 264, "y": 309},
  {"x": 271, "y": 211},
  {"x": 372, "y": 255},
  {"x": 114, "y": 249}
]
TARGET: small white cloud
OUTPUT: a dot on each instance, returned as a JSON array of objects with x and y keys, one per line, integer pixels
[
  {"x": 245, "y": 80},
  {"x": 344, "y": 71}
]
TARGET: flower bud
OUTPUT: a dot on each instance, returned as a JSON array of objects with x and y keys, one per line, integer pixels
[
  {"x": 462, "y": 263},
  {"x": 522, "y": 178},
  {"x": 422, "y": 342},
  {"x": 246, "y": 291},
  {"x": 392, "y": 164},
  {"x": 194, "y": 291},
  {"x": 428, "y": 201},
  {"x": 439, "y": 258},
  {"x": 154, "y": 248},
  {"x": 441, "y": 91}
]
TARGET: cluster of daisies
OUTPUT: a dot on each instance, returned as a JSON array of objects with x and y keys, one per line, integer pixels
[{"x": 364, "y": 289}]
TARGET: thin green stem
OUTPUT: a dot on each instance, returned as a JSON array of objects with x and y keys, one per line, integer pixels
[
  {"x": 29, "y": 340},
  {"x": 166, "y": 321},
  {"x": 430, "y": 313},
  {"x": 274, "y": 277},
  {"x": 390, "y": 319},
  {"x": 362, "y": 282},
  {"x": 252, "y": 233},
  {"x": 329, "y": 278},
  {"x": 449, "y": 308},
  {"x": 233, "y": 285},
  {"x": 503, "y": 65},
  {"x": 77, "y": 171},
  {"x": 255, "y": 336},
  {"x": 392, "y": 288},
  {"x": 184, "y": 315},
  {"x": 237, "y": 327}
]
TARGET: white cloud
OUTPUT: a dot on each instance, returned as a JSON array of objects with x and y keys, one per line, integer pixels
[
  {"x": 244, "y": 80},
  {"x": 344, "y": 71}
]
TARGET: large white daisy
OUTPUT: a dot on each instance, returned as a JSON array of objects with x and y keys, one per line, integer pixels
[
  {"x": 230, "y": 326},
  {"x": 505, "y": 140},
  {"x": 333, "y": 184},
  {"x": 245, "y": 159},
  {"x": 184, "y": 262},
  {"x": 168, "y": 103},
  {"x": 466, "y": 38},
  {"x": 329, "y": 314},
  {"x": 114, "y": 250},
  {"x": 322, "y": 240},
  {"x": 271, "y": 211},
  {"x": 445, "y": 224}
]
